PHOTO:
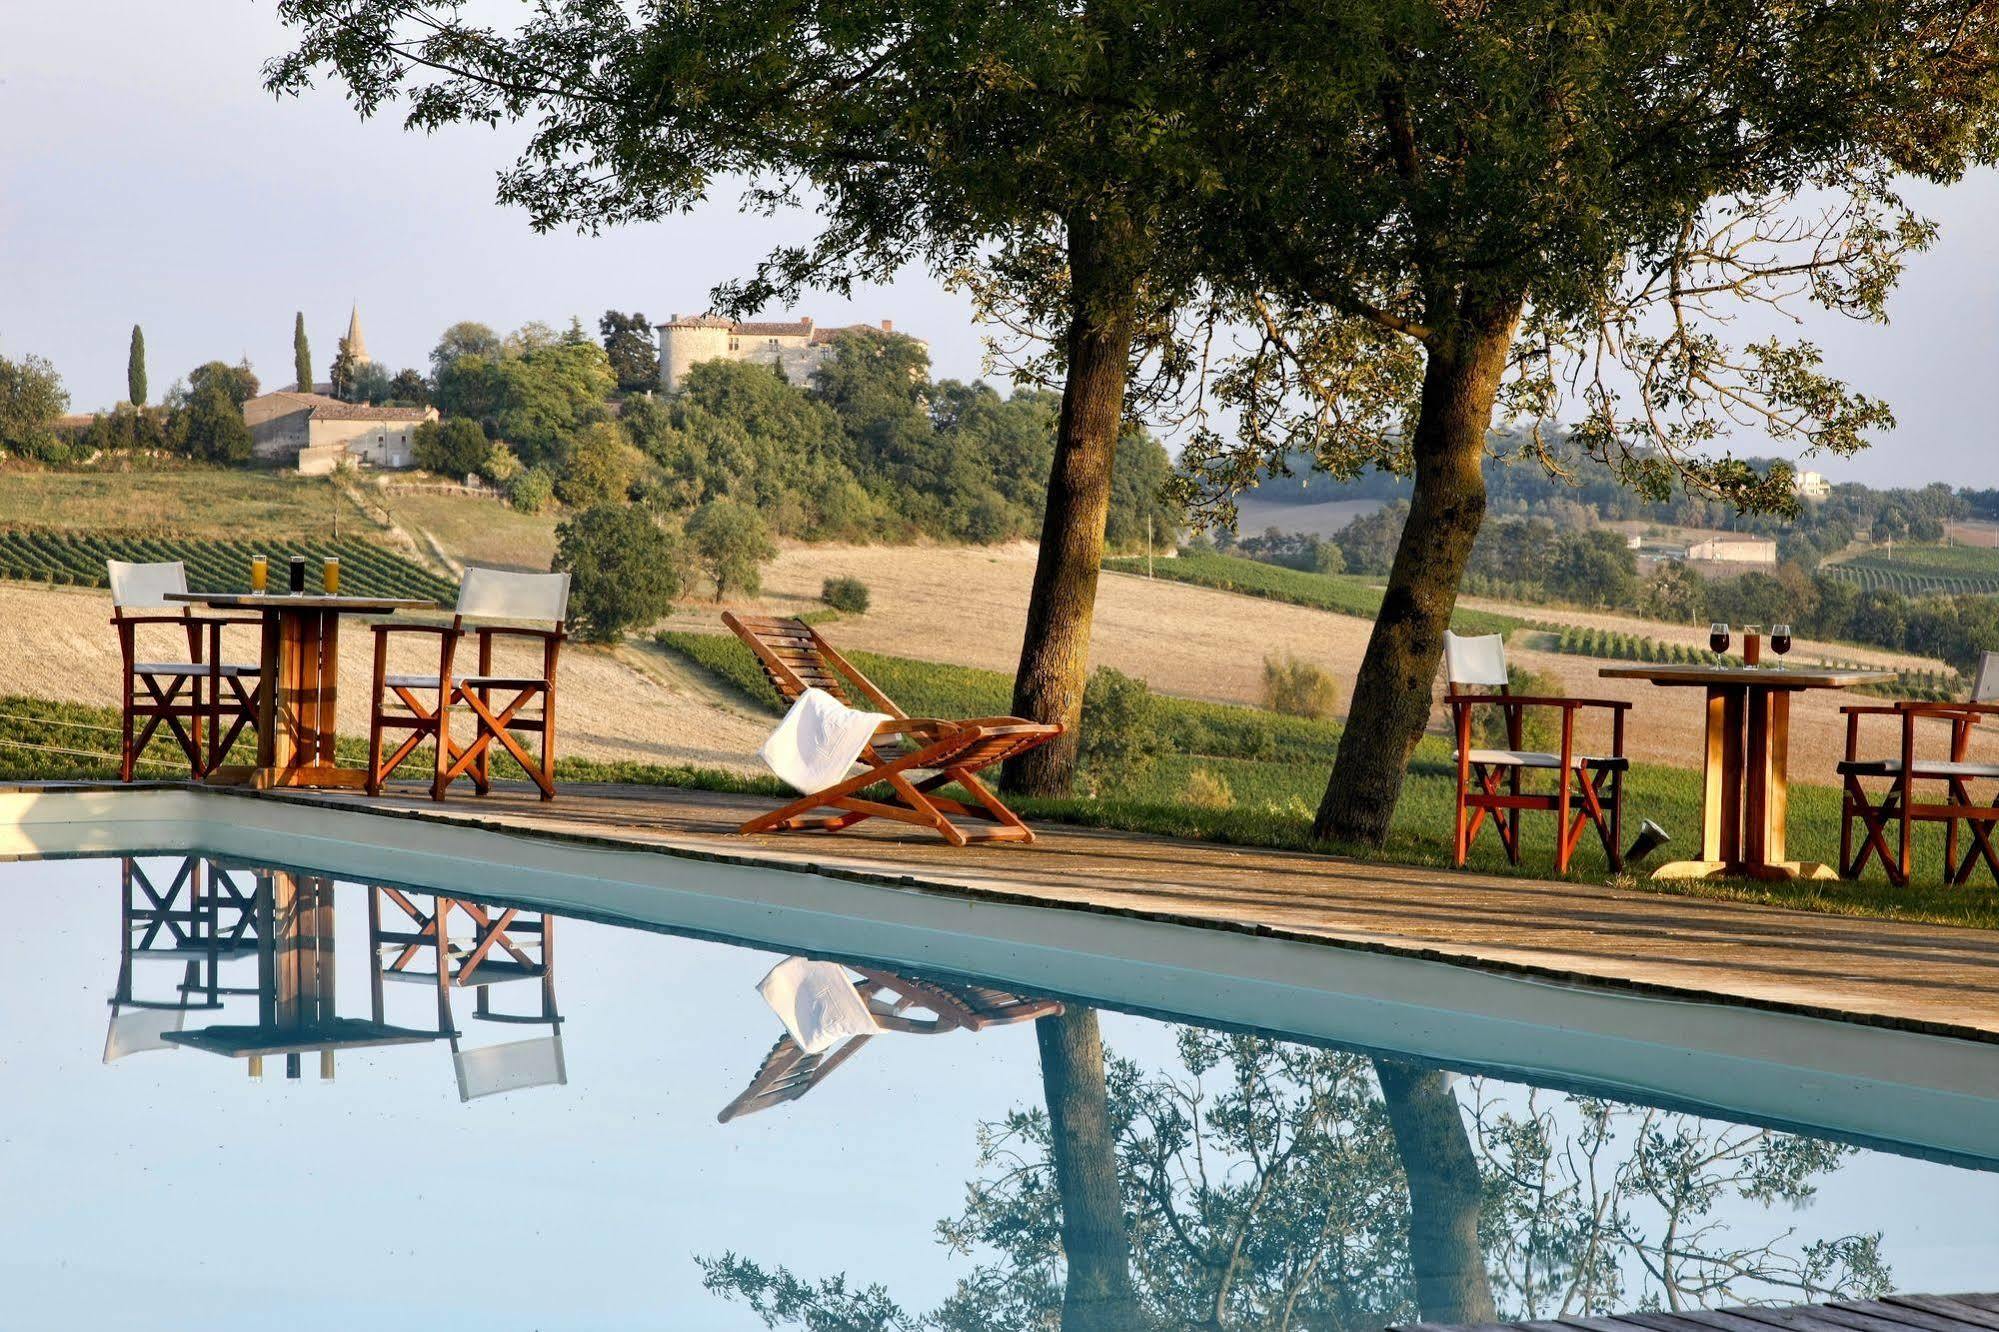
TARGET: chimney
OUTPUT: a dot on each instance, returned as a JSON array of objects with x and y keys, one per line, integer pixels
[
  {"x": 673, "y": 318},
  {"x": 807, "y": 321},
  {"x": 888, "y": 325}
]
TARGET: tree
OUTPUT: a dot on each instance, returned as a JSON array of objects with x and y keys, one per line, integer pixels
[
  {"x": 732, "y": 545},
  {"x": 1674, "y": 593},
  {"x": 456, "y": 447},
  {"x": 628, "y": 341},
  {"x": 238, "y": 382},
  {"x": 410, "y": 389},
  {"x": 341, "y": 373},
  {"x": 464, "y": 338},
  {"x": 1035, "y": 153},
  {"x": 546, "y": 391},
  {"x": 1542, "y": 195},
  {"x": 135, "y": 368},
  {"x": 598, "y": 467},
  {"x": 370, "y": 382},
  {"x": 301, "y": 356},
  {"x": 210, "y": 426},
  {"x": 624, "y": 571},
  {"x": 32, "y": 398}
]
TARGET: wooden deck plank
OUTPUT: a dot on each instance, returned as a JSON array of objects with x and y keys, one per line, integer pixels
[
  {"x": 1946, "y": 1307},
  {"x": 1899, "y": 1317},
  {"x": 1957, "y": 1313},
  {"x": 1936, "y": 978}
]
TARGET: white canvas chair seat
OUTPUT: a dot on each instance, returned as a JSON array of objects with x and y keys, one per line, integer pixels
[
  {"x": 201, "y": 668},
  {"x": 1534, "y": 758},
  {"x": 465, "y": 681},
  {"x": 1925, "y": 769}
]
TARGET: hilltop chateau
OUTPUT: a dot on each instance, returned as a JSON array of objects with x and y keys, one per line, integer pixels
[{"x": 795, "y": 347}]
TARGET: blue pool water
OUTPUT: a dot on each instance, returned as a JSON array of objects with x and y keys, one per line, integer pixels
[{"x": 568, "y": 1169}]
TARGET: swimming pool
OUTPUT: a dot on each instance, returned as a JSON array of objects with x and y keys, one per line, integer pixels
[{"x": 237, "y": 1095}]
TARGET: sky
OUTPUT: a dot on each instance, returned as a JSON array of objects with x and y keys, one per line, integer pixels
[{"x": 147, "y": 178}]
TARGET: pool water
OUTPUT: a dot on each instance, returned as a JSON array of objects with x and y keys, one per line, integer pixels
[{"x": 238, "y": 1097}]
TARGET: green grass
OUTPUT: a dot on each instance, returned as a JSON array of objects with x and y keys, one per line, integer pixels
[
  {"x": 174, "y": 500},
  {"x": 44, "y": 555},
  {"x": 1343, "y": 594},
  {"x": 1923, "y": 570}
]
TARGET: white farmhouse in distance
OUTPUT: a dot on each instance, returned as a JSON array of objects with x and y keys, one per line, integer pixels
[
  {"x": 1811, "y": 486},
  {"x": 1734, "y": 550},
  {"x": 317, "y": 433},
  {"x": 796, "y": 347}
]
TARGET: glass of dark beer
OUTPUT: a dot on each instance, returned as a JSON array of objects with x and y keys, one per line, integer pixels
[{"x": 1717, "y": 637}]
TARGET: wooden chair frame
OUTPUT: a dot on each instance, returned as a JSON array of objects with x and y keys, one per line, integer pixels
[
  {"x": 795, "y": 658},
  {"x": 189, "y": 700},
  {"x": 494, "y": 722},
  {"x": 1898, "y": 802},
  {"x": 1597, "y": 800}
]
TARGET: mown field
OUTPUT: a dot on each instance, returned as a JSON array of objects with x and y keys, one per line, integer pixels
[
  {"x": 183, "y": 500},
  {"x": 1344, "y": 594},
  {"x": 1923, "y": 570},
  {"x": 78, "y": 558},
  {"x": 1249, "y": 777}
]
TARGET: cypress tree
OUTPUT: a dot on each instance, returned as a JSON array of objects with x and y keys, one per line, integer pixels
[
  {"x": 301, "y": 354},
  {"x": 135, "y": 368}
]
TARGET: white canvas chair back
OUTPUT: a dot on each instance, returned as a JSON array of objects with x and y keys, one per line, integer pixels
[
  {"x": 1475, "y": 660},
  {"x": 1985, "y": 688},
  {"x": 497, "y": 594},
  {"x": 145, "y": 586},
  {"x": 492, "y": 1070},
  {"x": 141, "y": 1030}
]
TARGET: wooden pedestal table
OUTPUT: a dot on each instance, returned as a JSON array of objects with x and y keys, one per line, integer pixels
[
  {"x": 301, "y": 676},
  {"x": 1746, "y": 802}
]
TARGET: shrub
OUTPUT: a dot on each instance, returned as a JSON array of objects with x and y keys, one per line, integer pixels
[
  {"x": 532, "y": 490},
  {"x": 1207, "y": 790},
  {"x": 1299, "y": 689},
  {"x": 732, "y": 545},
  {"x": 457, "y": 447},
  {"x": 845, "y": 593},
  {"x": 1120, "y": 731},
  {"x": 502, "y": 465},
  {"x": 623, "y": 570}
]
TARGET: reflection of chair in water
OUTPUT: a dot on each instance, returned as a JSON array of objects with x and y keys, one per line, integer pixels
[
  {"x": 201, "y": 920},
  {"x": 894, "y": 1002},
  {"x": 505, "y": 944}
]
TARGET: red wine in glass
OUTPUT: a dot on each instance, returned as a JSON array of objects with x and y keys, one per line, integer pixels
[
  {"x": 1717, "y": 638},
  {"x": 1780, "y": 638}
]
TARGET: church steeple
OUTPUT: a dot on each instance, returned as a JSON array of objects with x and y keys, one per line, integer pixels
[{"x": 357, "y": 346}]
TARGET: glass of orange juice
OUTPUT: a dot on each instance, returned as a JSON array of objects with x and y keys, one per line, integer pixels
[
  {"x": 260, "y": 573},
  {"x": 329, "y": 576}
]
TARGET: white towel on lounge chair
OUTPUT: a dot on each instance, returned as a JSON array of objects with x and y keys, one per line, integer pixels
[
  {"x": 816, "y": 1002},
  {"x": 818, "y": 740}
]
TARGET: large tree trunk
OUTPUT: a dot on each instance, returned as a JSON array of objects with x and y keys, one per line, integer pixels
[
  {"x": 1098, "y": 1296},
  {"x": 1444, "y": 1193},
  {"x": 1391, "y": 697},
  {"x": 1055, "y": 651}
]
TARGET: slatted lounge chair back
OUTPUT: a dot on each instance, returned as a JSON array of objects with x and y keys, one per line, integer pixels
[
  {"x": 795, "y": 658},
  {"x": 145, "y": 586},
  {"x": 1476, "y": 660}
]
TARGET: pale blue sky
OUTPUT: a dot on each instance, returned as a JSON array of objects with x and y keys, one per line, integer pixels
[{"x": 146, "y": 177}]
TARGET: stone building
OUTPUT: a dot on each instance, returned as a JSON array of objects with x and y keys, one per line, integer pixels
[
  {"x": 1734, "y": 550},
  {"x": 319, "y": 433},
  {"x": 795, "y": 347}
]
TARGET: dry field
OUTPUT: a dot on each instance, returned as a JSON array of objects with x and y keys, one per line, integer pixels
[{"x": 967, "y": 606}]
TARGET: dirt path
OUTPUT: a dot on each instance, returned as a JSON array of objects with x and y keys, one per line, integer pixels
[{"x": 631, "y": 703}]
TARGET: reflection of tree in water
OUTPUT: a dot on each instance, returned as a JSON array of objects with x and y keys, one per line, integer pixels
[{"x": 1265, "y": 1184}]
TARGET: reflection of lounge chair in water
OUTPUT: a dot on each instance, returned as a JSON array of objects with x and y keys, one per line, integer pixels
[
  {"x": 506, "y": 944},
  {"x": 892, "y": 1003},
  {"x": 200, "y": 921}
]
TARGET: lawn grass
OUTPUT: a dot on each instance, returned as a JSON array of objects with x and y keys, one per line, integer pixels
[
  {"x": 1343, "y": 594},
  {"x": 472, "y": 529}
]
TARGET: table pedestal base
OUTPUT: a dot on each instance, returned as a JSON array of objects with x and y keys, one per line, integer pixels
[{"x": 1776, "y": 871}]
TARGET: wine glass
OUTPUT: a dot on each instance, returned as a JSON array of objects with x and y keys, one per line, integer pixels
[
  {"x": 1717, "y": 638},
  {"x": 1780, "y": 638}
]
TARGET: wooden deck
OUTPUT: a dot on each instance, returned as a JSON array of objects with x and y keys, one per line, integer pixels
[
  {"x": 1896, "y": 1313},
  {"x": 1934, "y": 978}
]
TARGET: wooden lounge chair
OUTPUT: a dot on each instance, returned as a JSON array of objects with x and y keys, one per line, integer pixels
[
  {"x": 194, "y": 698},
  {"x": 492, "y": 603},
  {"x": 1489, "y": 780},
  {"x": 788, "y": 1072},
  {"x": 796, "y": 658},
  {"x": 1907, "y": 774}
]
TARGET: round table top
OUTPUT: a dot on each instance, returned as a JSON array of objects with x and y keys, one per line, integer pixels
[
  {"x": 1763, "y": 677},
  {"x": 319, "y": 601}
]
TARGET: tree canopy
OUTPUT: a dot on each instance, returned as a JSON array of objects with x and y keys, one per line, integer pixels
[{"x": 628, "y": 341}]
